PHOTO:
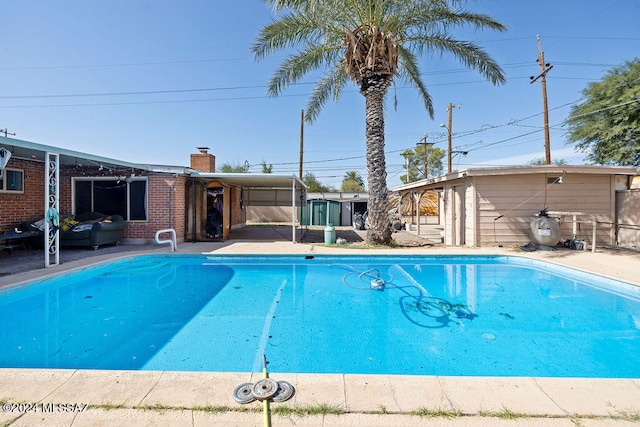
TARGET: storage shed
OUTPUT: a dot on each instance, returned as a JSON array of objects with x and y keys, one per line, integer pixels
[{"x": 495, "y": 206}]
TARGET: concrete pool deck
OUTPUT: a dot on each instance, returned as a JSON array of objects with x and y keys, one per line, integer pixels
[{"x": 203, "y": 398}]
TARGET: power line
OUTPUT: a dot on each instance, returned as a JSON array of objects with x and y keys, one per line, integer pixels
[
  {"x": 168, "y": 91},
  {"x": 605, "y": 109},
  {"x": 595, "y": 38},
  {"x": 130, "y": 64},
  {"x": 182, "y": 101},
  {"x": 510, "y": 123},
  {"x": 150, "y": 92},
  {"x": 484, "y": 146}
]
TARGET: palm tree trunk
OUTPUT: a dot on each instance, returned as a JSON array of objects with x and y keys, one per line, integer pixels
[{"x": 378, "y": 203}]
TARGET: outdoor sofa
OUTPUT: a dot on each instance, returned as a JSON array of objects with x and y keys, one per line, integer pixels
[{"x": 90, "y": 229}]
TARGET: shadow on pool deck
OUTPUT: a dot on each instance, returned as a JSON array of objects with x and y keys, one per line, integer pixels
[{"x": 23, "y": 260}]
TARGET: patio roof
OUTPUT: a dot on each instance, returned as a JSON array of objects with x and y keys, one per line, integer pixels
[
  {"x": 253, "y": 180},
  {"x": 264, "y": 189},
  {"x": 34, "y": 151},
  {"x": 258, "y": 189}
]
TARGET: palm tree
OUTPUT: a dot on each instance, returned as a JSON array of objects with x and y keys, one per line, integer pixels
[
  {"x": 369, "y": 42},
  {"x": 352, "y": 182}
]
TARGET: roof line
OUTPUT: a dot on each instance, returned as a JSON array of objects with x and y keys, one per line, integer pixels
[{"x": 71, "y": 153}]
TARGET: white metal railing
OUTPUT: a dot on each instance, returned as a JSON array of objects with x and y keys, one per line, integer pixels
[
  {"x": 574, "y": 220},
  {"x": 172, "y": 241}
]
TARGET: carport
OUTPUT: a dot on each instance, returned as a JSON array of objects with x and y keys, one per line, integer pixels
[{"x": 263, "y": 189}]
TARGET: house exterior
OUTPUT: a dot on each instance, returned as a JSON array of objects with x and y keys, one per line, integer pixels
[
  {"x": 35, "y": 178},
  {"x": 495, "y": 206},
  {"x": 79, "y": 182}
]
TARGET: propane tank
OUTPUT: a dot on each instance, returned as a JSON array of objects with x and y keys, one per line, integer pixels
[{"x": 544, "y": 230}]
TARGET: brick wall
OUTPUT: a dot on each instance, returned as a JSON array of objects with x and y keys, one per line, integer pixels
[
  {"x": 166, "y": 200},
  {"x": 203, "y": 162},
  {"x": 66, "y": 204},
  {"x": 26, "y": 206}
]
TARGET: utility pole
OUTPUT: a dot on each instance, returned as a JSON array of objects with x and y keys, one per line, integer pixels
[
  {"x": 544, "y": 69},
  {"x": 6, "y": 132},
  {"x": 406, "y": 162},
  {"x": 449, "y": 134},
  {"x": 424, "y": 153},
  {"x": 449, "y": 148},
  {"x": 301, "y": 139},
  {"x": 424, "y": 156}
]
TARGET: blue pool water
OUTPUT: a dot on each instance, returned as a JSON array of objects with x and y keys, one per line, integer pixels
[{"x": 417, "y": 315}]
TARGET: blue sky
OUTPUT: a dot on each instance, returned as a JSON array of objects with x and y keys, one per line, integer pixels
[{"x": 149, "y": 80}]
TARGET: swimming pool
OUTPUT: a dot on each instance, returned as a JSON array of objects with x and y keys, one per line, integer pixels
[{"x": 417, "y": 315}]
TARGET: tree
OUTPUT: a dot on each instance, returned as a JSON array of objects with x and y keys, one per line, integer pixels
[
  {"x": 229, "y": 168},
  {"x": 352, "y": 182},
  {"x": 539, "y": 161},
  {"x": 313, "y": 185},
  {"x": 266, "y": 168},
  {"x": 607, "y": 124},
  {"x": 414, "y": 163},
  {"x": 371, "y": 43}
]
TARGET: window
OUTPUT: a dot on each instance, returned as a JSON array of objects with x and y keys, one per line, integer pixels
[
  {"x": 111, "y": 196},
  {"x": 12, "y": 180},
  {"x": 554, "y": 180}
]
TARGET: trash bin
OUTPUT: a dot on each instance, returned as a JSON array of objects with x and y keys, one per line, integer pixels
[{"x": 329, "y": 235}]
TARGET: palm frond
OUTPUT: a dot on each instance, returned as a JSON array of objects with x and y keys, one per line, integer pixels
[
  {"x": 331, "y": 84},
  {"x": 467, "y": 53},
  {"x": 288, "y": 32},
  {"x": 296, "y": 66},
  {"x": 410, "y": 72},
  {"x": 374, "y": 39}
]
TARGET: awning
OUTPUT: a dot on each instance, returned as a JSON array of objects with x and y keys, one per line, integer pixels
[
  {"x": 264, "y": 189},
  {"x": 34, "y": 151}
]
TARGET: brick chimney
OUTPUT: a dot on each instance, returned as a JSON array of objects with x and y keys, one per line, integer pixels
[{"x": 203, "y": 161}]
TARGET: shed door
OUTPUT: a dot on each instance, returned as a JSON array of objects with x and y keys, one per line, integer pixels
[{"x": 458, "y": 215}]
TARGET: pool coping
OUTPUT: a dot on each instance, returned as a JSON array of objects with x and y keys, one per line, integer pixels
[{"x": 194, "y": 398}]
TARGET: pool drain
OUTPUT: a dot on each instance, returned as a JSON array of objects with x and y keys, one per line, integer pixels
[{"x": 488, "y": 336}]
